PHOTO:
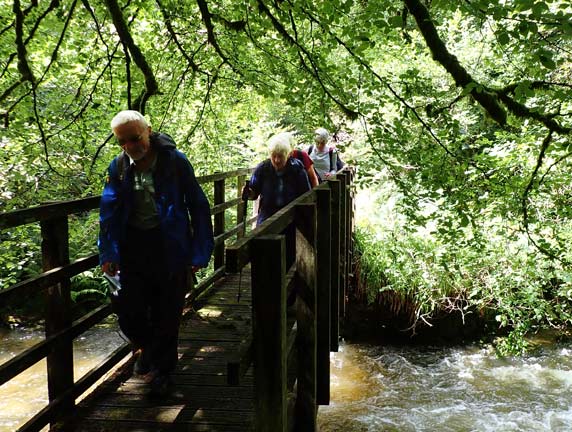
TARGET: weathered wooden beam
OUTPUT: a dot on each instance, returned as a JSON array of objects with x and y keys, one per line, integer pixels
[
  {"x": 210, "y": 178},
  {"x": 238, "y": 255},
  {"x": 239, "y": 362},
  {"x": 58, "y": 407},
  {"x": 223, "y": 205},
  {"x": 306, "y": 267},
  {"x": 47, "y": 211},
  {"x": 323, "y": 310},
  {"x": 31, "y": 356},
  {"x": 218, "y": 227},
  {"x": 55, "y": 253},
  {"x": 335, "y": 187},
  {"x": 343, "y": 243},
  {"x": 269, "y": 332},
  {"x": 26, "y": 289}
]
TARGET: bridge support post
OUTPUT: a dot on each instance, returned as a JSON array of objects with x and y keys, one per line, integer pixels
[
  {"x": 306, "y": 266},
  {"x": 323, "y": 274},
  {"x": 351, "y": 228},
  {"x": 240, "y": 181},
  {"x": 55, "y": 253},
  {"x": 268, "y": 268},
  {"x": 218, "y": 227},
  {"x": 335, "y": 187},
  {"x": 343, "y": 242}
]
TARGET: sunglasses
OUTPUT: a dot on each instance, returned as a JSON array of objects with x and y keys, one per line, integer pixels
[{"x": 129, "y": 139}]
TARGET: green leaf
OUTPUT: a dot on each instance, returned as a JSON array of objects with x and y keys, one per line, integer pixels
[
  {"x": 396, "y": 21},
  {"x": 539, "y": 9},
  {"x": 546, "y": 60},
  {"x": 523, "y": 5},
  {"x": 503, "y": 38}
]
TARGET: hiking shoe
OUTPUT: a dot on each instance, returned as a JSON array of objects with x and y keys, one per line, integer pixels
[
  {"x": 143, "y": 363},
  {"x": 160, "y": 385}
]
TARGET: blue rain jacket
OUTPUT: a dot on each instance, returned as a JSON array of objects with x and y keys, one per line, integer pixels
[
  {"x": 177, "y": 196},
  {"x": 265, "y": 182}
]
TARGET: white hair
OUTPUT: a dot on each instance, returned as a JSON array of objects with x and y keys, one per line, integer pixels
[
  {"x": 280, "y": 144},
  {"x": 127, "y": 116},
  {"x": 323, "y": 134}
]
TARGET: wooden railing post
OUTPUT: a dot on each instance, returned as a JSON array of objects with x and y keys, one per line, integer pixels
[
  {"x": 343, "y": 243},
  {"x": 323, "y": 251},
  {"x": 218, "y": 228},
  {"x": 240, "y": 181},
  {"x": 335, "y": 187},
  {"x": 350, "y": 225},
  {"x": 55, "y": 253},
  {"x": 268, "y": 268},
  {"x": 306, "y": 267}
]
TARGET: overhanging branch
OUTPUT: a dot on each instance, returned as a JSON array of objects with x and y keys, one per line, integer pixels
[
  {"x": 314, "y": 70},
  {"x": 487, "y": 97},
  {"x": 151, "y": 85},
  {"x": 440, "y": 54},
  {"x": 23, "y": 66}
]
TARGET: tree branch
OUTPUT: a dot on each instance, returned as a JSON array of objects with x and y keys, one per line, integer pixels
[
  {"x": 525, "y": 195},
  {"x": 173, "y": 34},
  {"x": 151, "y": 85},
  {"x": 206, "y": 17},
  {"x": 314, "y": 70},
  {"x": 23, "y": 66},
  {"x": 59, "y": 43},
  {"x": 522, "y": 111},
  {"x": 440, "y": 54}
]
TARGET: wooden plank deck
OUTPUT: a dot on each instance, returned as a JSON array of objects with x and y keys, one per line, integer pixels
[{"x": 201, "y": 400}]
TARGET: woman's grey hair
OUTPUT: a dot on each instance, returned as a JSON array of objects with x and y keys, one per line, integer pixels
[
  {"x": 322, "y": 134},
  {"x": 127, "y": 116},
  {"x": 280, "y": 144}
]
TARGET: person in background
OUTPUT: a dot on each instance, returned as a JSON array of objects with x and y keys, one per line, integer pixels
[
  {"x": 308, "y": 164},
  {"x": 147, "y": 238},
  {"x": 278, "y": 180},
  {"x": 323, "y": 156}
]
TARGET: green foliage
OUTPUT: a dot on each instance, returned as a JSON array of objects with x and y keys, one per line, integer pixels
[
  {"x": 503, "y": 279},
  {"x": 20, "y": 255},
  {"x": 229, "y": 78},
  {"x": 89, "y": 287}
]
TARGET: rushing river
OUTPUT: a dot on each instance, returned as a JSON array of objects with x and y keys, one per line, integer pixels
[
  {"x": 27, "y": 393},
  {"x": 374, "y": 388},
  {"x": 448, "y": 389}
]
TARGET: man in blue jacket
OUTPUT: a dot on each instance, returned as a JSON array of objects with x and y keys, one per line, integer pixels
[{"x": 147, "y": 239}]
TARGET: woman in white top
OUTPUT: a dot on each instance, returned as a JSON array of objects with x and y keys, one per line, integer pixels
[{"x": 324, "y": 156}]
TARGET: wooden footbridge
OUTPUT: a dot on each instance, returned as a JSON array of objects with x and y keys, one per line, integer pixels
[{"x": 258, "y": 361}]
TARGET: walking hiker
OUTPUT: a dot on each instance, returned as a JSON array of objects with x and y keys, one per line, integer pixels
[
  {"x": 324, "y": 156},
  {"x": 278, "y": 180},
  {"x": 147, "y": 237}
]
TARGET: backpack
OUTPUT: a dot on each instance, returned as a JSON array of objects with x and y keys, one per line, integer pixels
[
  {"x": 339, "y": 163},
  {"x": 297, "y": 154}
]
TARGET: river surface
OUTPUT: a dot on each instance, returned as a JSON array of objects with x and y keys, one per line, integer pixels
[
  {"x": 373, "y": 388},
  {"x": 25, "y": 395},
  {"x": 448, "y": 389}
]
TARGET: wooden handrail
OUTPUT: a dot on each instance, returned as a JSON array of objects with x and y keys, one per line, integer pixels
[
  {"x": 323, "y": 221},
  {"x": 237, "y": 254}
]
